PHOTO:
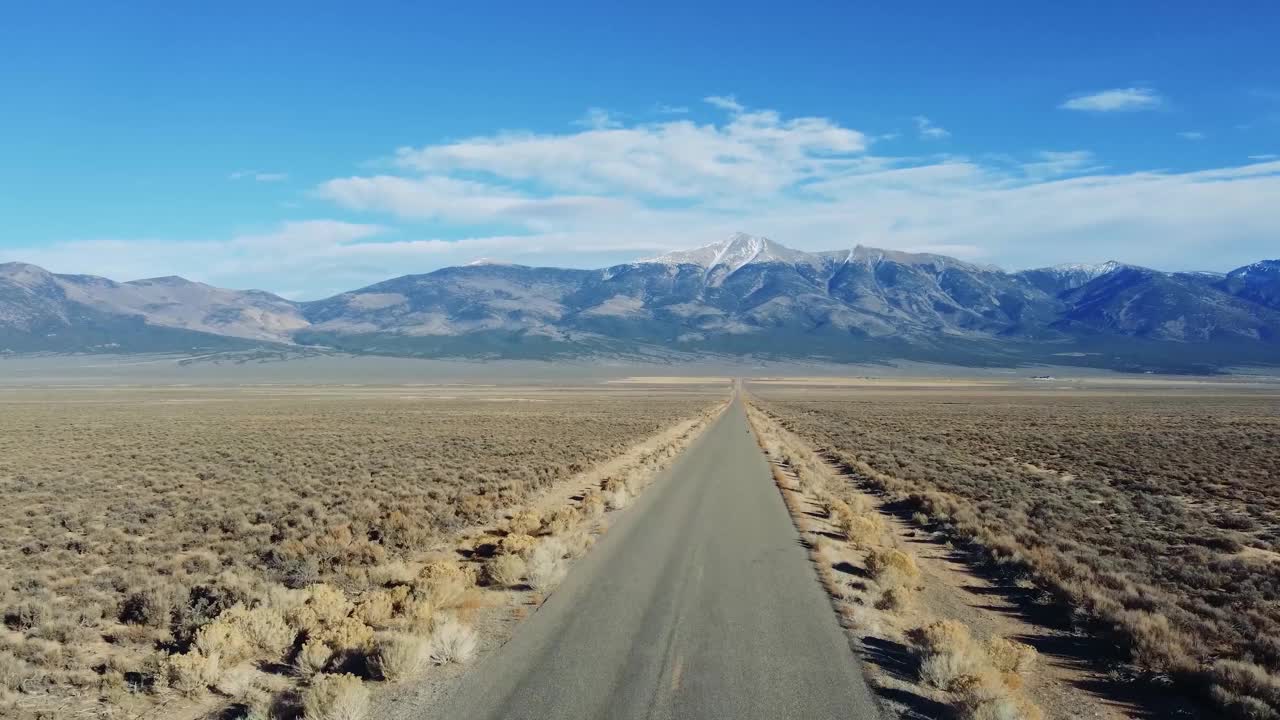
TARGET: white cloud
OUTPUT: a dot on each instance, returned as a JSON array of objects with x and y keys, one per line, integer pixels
[
  {"x": 665, "y": 109},
  {"x": 446, "y": 198},
  {"x": 590, "y": 197},
  {"x": 1265, "y": 157},
  {"x": 266, "y": 259},
  {"x": 1049, "y": 163},
  {"x": 928, "y": 130},
  {"x": 1130, "y": 99},
  {"x": 1191, "y": 135},
  {"x": 725, "y": 102},
  {"x": 258, "y": 176},
  {"x": 598, "y": 119},
  {"x": 813, "y": 183},
  {"x": 754, "y": 153}
]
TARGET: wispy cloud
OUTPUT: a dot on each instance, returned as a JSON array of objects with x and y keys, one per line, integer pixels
[
  {"x": 665, "y": 109},
  {"x": 929, "y": 131},
  {"x": 754, "y": 153},
  {"x": 592, "y": 196},
  {"x": 258, "y": 175},
  {"x": 1132, "y": 99},
  {"x": 724, "y": 102},
  {"x": 1192, "y": 135},
  {"x": 1051, "y": 164},
  {"x": 457, "y": 200},
  {"x": 598, "y": 119}
]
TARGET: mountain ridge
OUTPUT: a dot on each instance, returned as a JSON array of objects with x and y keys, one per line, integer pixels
[{"x": 744, "y": 296}]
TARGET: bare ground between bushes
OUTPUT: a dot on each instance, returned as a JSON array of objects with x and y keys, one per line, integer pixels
[{"x": 951, "y": 586}]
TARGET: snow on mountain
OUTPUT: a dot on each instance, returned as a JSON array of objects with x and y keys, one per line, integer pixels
[
  {"x": 741, "y": 249},
  {"x": 742, "y": 295},
  {"x": 1088, "y": 270},
  {"x": 1262, "y": 267},
  {"x": 734, "y": 252}
]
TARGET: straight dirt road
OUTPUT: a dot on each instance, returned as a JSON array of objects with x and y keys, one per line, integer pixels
[{"x": 700, "y": 602}]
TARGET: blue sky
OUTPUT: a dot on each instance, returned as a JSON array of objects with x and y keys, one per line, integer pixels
[{"x": 307, "y": 148}]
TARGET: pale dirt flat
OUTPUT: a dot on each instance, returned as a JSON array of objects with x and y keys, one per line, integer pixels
[
  {"x": 670, "y": 380},
  {"x": 700, "y": 602}
]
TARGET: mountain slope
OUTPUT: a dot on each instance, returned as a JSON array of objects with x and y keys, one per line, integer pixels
[
  {"x": 1259, "y": 283},
  {"x": 43, "y": 311},
  {"x": 743, "y": 295},
  {"x": 1181, "y": 307}
]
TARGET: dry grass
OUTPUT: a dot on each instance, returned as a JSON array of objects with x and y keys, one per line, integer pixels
[
  {"x": 336, "y": 697},
  {"x": 980, "y": 681},
  {"x": 167, "y": 543},
  {"x": 1153, "y": 518}
]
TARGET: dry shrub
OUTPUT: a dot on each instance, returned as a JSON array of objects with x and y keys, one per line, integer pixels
[
  {"x": 26, "y": 615},
  {"x": 445, "y": 582},
  {"x": 983, "y": 683},
  {"x": 238, "y": 682},
  {"x": 14, "y": 673},
  {"x": 261, "y": 632},
  {"x": 577, "y": 542},
  {"x": 525, "y": 522},
  {"x": 835, "y": 508},
  {"x": 861, "y": 530},
  {"x": 563, "y": 521},
  {"x": 395, "y": 572},
  {"x": 1010, "y": 656},
  {"x": 517, "y": 544},
  {"x": 400, "y": 596},
  {"x": 894, "y": 599},
  {"x": 453, "y": 642},
  {"x": 336, "y": 697},
  {"x": 948, "y": 653},
  {"x": 109, "y": 501},
  {"x": 420, "y": 611},
  {"x": 546, "y": 566},
  {"x": 505, "y": 570},
  {"x": 1246, "y": 690},
  {"x": 347, "y": 635},
  {"x": 222, "y": 640},
  {"x": 986, "y": 697},
  {"x": 890, "y": 566},
  {"x": 152, "y": 607},
  {"x": 616, "y": 493},
  {"x": 325, "y": 605},
  {"x": 952, "y": 667},
  {"x": 1154, "y": 644},
  {"x": 1185, "y": 482},
  {"x": 399, "y": 656},
  {"x": 376, "y": 608},
  {"x": 312, "y": 657},
  {"x": 193, "y": 672},
  {"x": 617, "y": 499},
  {"x": 593, "y": 504}
]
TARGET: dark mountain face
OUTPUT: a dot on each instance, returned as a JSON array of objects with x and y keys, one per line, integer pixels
[
  {"x": 742, "y": 296},
  {"x": 1181, "y": 307},
  {"x": 1259, "y": 283}
]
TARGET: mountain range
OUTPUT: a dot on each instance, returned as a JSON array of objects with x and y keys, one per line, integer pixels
[{"x": 745, "y": 296}]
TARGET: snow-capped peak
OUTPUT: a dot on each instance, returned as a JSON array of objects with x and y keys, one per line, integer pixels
[
  {"x": 24, "y": 274},
  {"x": 1262, "y": 267},
  {"x": 1088, "y": 270},
  {"x": 733, "y": 252}
]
